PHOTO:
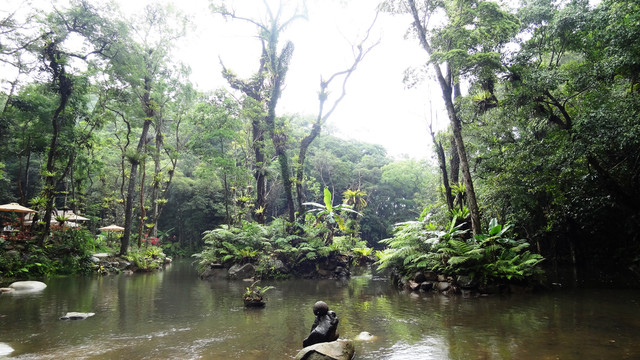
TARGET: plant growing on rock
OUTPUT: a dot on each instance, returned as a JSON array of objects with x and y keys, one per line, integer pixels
[{"x": 254, "y": 295}]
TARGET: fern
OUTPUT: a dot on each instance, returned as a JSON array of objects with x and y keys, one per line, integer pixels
[{"x": 491, "y": 256}]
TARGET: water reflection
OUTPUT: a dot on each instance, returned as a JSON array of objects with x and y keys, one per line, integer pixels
[{"x": 173, "y": 314}]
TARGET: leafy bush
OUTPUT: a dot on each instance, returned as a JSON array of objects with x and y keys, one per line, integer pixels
[
  {"x": 264, "y": 244},
  {"x": 415, "y": 244},
  {"x": 174, "y": 249},
  {"x": 487, "y": 257},
  {"x": 147, "y": 259},
  {"x": 68, "y": 253}
]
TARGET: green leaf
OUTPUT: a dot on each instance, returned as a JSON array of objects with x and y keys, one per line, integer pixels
[
  {"x": 327, "y": 200},
  {"x": 494, "y": 227}
]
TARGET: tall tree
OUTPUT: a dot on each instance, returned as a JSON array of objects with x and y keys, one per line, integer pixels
[
  {"x": 466, "y": 43},
  {"x": 559, "y": 154},
  {"x": 264, "y": 89},
  {"x": 84, "y": 20},
  {"x": 144, "y": 69}
]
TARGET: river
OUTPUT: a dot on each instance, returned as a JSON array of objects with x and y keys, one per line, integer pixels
[{"x": 174, "y": 315}]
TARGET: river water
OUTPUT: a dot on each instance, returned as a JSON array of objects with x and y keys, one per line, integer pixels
[{"x": 174, "y": 315}]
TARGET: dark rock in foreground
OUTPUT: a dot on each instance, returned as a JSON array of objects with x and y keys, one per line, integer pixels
[{"x": 335, "y": 350}]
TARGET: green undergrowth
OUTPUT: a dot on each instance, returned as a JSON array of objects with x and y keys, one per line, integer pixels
[
  {"x": 490, "y": 257},
  {"x": 264, "y": 245}
]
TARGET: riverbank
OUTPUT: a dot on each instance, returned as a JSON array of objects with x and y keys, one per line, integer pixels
[{"x": 25, "y": 260}]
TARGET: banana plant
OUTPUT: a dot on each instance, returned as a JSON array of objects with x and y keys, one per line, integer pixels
[{"x": 331, "y": 214}]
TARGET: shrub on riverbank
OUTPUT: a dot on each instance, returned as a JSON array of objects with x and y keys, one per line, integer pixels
[
  {"x": 149, "y": 258},
  {"x": 68, "y": 252},
  {"x": 275, "y": 252},
  {"x": 488, "y": 258}
]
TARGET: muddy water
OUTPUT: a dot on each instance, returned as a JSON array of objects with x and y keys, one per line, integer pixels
[{"x": 174, "y": 315}]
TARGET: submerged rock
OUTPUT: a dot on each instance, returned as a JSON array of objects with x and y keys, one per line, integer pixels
[
  {"x": 76, "y": 316},
  {"x": 365, "y": 336},
  {"x": 335, "y": 350}
]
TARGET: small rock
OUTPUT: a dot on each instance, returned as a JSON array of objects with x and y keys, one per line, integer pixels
[
  {"x": 242, "y": 271},
  {"x": 365, "y": 336},
  {"x": 442, "y": 286},
  {"x": 413, "y": 286},
  {"x": 465, "y": 282},
  {"x": 278, "y": 265},
  {"x": 430, "y": 275},
  {"x": 323, "y": 273},
  {"x": 341, "y": 273},
  {"x": 426, "y": 286},
  {"x": 419, "y": 277},
  {"x": 210, "y": 274},
  {"x": 76, "y": 316},
  {"x": 442, "y": 278}
]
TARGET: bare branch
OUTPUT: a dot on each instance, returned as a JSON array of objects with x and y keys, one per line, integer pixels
[{"x": 361, "y": 53}]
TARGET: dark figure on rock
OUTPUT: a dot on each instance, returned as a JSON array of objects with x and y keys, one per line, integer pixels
[{"x": 324, "y": 327}]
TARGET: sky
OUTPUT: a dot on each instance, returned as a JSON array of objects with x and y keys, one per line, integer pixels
[{"x": 378, "y": 107}]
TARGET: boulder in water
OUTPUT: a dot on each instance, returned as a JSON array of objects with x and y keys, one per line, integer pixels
[
  {"x": 76, "y": 316},
  {"x": 335, "y": 350},
  {"x": 5, "y": 349},
  {"x": 25, "y": 286}
]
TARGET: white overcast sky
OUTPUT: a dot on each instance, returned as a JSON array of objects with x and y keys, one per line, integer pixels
[{"x": 378, "y": 108}]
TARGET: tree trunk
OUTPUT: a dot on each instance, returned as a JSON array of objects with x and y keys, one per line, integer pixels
[
  {"x": 155, "y": 186},
  {"x": 128, "y": 211},
  {"x": 443, "y": 168},
  {"x": 302, "y": 155},
  {"x": 64, "y": 87},
  {"x": 143, "y": 211},
  {"x": 259, "y": 172},
  {"x": 283, "y": 159},
  {"x": 474, "y": 211},
  {"x": 131, "y": 190},
  {"x": 447, "y": 92}
]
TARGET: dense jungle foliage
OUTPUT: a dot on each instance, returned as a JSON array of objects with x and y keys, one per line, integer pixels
[{"x": 543, "y": 101}]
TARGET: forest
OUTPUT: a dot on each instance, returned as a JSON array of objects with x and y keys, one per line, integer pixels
[{"x": 539, "y": 165}]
